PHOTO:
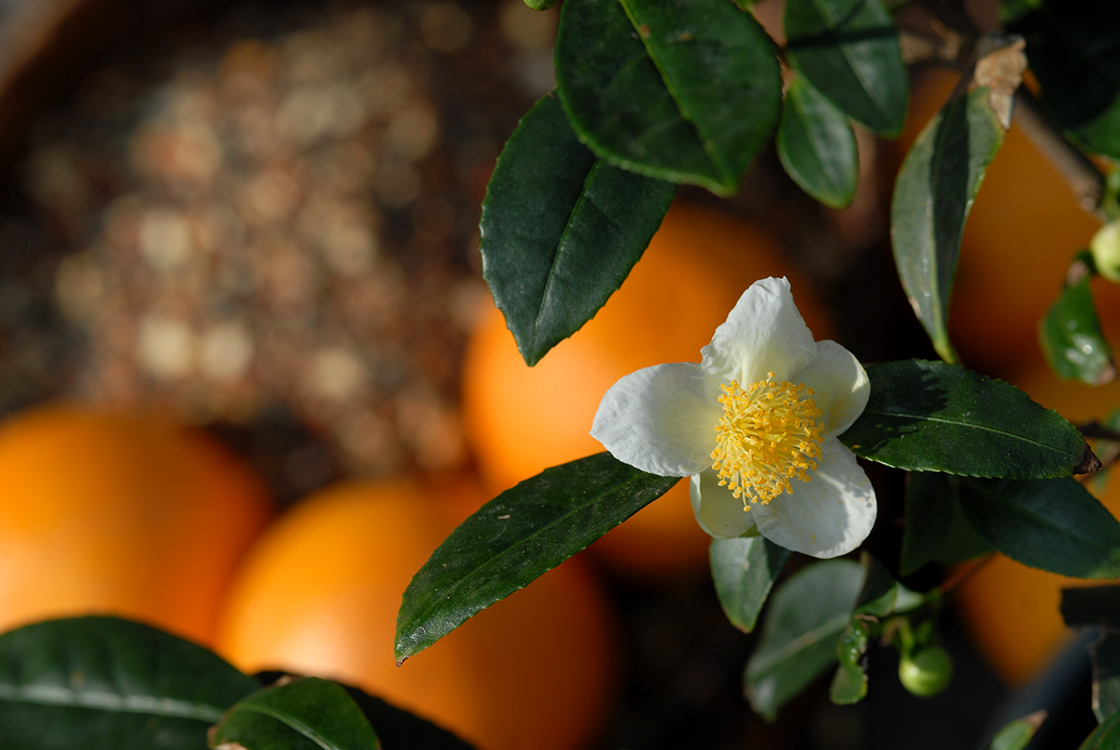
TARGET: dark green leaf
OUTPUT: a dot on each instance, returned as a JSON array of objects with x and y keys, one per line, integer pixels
[
  {"x": 1104, "y": 737},
  {"x": 1018, "y": 734},
  {"x": 1099, "y": 606},
  {"x": 849, "y": 49},
  {"x": 680, "y": 90},
  {"x": 561, "y": 229},
  {"x": 100, "y": 683},
  {"x": 307, "y": 713},
  {"x": 802, "y": 628},
  {"x": 880, "y": 590},
  {"x": 1071, "y": 337},
  {"x": 932, "y": 196},
  {"x": 930, "y": 416},
  {"x": 1055, "y": 525},
  {"x": 961, "y": 542},
  {"x": 519, "y": 535},
  {"x": 401, "y": 730},
  {"x": 743, "y": 571},
  {"x": 929, "y": 507},
  {"x": 817, "y": 146},
  {"x": 1073, "y": 52}
]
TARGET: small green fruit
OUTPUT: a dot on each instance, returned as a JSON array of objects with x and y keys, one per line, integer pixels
[
  {"x": 1105, "y": 247},
  {"x": 540, "y": 4},
  {"x": 927, "y": 672}
]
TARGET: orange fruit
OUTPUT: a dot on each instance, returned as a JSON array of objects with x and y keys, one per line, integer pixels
[
  {"x": 320, "y": 591},
  {"x": 521, "y": 420},
  {"x": 1012, "y": 610},
  {"x": 108, "y": 513},
  {"x": 1023, "y": 228}
]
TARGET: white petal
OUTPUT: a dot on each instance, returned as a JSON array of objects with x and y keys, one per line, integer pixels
[
  {"x": 829, "y": 515},
  {"x": 717, "y": 511},
  {"x": 840, "y": 386},
  {"x": 763, "y": 333},
  {"x": 661, "y": 419}
]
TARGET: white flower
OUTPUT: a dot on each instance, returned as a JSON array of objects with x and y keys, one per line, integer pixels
[{"x": 754, "y": 425}]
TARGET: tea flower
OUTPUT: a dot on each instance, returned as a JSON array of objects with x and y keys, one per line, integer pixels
[{"x": 754, "y": 425}]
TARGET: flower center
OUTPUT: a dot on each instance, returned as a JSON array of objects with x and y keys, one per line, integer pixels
[{"x": 768, "y": 434}]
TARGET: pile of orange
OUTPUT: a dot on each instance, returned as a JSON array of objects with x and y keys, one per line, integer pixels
[{"x": 521, "y": 420}]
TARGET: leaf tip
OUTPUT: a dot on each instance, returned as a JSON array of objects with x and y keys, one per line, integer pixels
[{"x": 1089, "y": 462}]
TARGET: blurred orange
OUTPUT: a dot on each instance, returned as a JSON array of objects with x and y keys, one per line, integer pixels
[
  {"x": 106, "y": 513},
  {"x": 320, "y": 591},
  {"x": 1012, "y": 610},
  {"x": 521, "y": 420},
  {"x": 1023, "y": 228}
]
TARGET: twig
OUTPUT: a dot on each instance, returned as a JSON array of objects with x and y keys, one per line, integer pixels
[{"x": 962, "y": 574}]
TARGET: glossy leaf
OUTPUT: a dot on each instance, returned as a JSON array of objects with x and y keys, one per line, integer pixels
[
  {"x": 1073, "y": 53},
  {"x": 801, "y": 631},
  {"x": 1099, "y": 606},
  {"x": 933, "y": 194},
  {"x": 561, "y": 229},
  {"x": 849, "y": 50},
  {"x": 101, "y": 683},
  {"x": 519, "y": 535},
  {"x": 307, "y": 713},
  {"x": 1071, "y": 338},
  {"x": 1054, "y": 525},
  {"x": 816, "y": 145},
  {"x": 1104, "y": 737},
  {"x": 930, "y": 416},
  {"x": 1018, "y": 734},
  {"x": 743, "y": 571},
  {"x": 680, "y": 90}
]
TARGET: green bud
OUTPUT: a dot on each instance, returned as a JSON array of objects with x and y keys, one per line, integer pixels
[
  {"x": 1105, "y": 247},
  {"x": 540, "y": 4},
  {"x": 927, "y": 672}
]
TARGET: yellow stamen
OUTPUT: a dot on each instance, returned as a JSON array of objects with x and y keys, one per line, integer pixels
[{"x": 768, "y": 434}]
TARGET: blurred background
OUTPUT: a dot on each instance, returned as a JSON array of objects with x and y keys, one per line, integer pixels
[{"x": 259, "y": 220}]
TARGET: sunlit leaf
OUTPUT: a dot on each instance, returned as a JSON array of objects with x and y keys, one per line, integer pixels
[
  {"x": 930, "y": 416},
  {"x": 1018, "y": 734},
  {"x": 516, "y": 537},
  {"x": 684, "y": 90},
  {"x": 561, "y": 229},
  {"x": 850, "y": 51},
  {"x": 1071, "y": 338},
  {"x": 932, "y": 197}
]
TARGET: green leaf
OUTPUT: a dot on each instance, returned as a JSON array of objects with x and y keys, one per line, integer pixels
[
  {"x": 519, "y": 535},
  {"x": 1099, "y": 606},
  {"x": 1073, "y": 52},
  {"x": 929, "y": 508},
  {"x": 1018, "y": 734},
  {"x": 307, "y": 713},
  {"x": 930, "y": 416},
  {"x": 879, "y": 593},
  {"x": 849, "y": 685},
  {"x": 1054, "y": 525},
  {"x": 561, "y": 229},
  {"x": 817, "y": 146},
  {"x": 743, "y": 571},
  {"x": 401, "y": 730},
  {"x": 1104, "y": 737},
  {"x": 101, "y": 683},
  {"x": 1071, "y": 338},
  {"x": 849, "y": 49},
  {"x": 803, "y": 626},
  {"x": 932, "y": 197},
  {"x": 680, "y": 90}
]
